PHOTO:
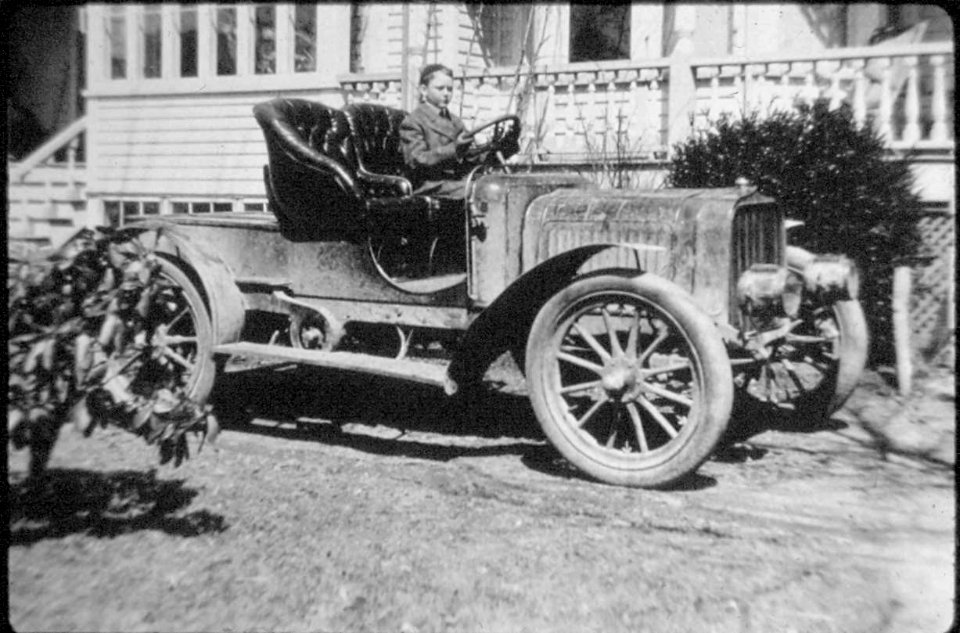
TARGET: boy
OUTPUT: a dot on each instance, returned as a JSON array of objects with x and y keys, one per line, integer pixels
[{"x": 434, "y": 140}]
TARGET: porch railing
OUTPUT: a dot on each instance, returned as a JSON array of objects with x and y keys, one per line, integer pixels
[
  {"x": 46, "y": 190},
  {"x": 61, "y": 150},
  {"x": 630, "y": 109},
  {"x": 905, "y": 91}
]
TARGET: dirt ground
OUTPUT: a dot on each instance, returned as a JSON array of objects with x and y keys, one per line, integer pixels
[{"x": 343, "y": 503}]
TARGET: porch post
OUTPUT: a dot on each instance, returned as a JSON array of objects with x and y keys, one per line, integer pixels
[
  {"x": 681, "y": 89},
  {"x": 646, "y": 31},
  {"x": 333, "y": 39},
  {"x": 552, "y": 26},
  {"x": 415, "y": 33},
  {"x": 96, "y": 53},
  {"x": 169, "y": 41},
  {"x": 134, "y": 15}
]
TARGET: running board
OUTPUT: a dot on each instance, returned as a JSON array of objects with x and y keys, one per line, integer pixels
[{"x": 410, "y": 370}]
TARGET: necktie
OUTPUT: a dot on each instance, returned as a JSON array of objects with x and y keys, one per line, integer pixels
[{"x": 445, "y": 113}]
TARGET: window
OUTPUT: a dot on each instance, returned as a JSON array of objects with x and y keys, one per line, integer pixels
[
  {"x": 117, "y": 36},
  {"x": 222, "y": 207},
  {"x": 500, "y": 30},
  {"x": 111, "y": 209},
  {"x": 188, "y": 41},
  {"x": 599, "y": 32},
  {"x": 305, "y": 35},
  {"x": 265, "y": 20},
  {"x": 226, "y": 41},
  {"x": 151, "y": 41}
]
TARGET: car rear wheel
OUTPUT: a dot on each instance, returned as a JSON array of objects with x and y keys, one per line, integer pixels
[
  {"x": 180, "y": 336},
  {"x": 629, "y": 380}
]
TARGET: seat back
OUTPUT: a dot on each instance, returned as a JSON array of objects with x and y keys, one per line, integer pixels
[
  {"x": 376, "y": 137},
  {"x": 311, "y": 177}
]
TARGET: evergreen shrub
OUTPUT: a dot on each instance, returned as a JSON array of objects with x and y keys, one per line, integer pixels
[{"x": 837, "y": 177}]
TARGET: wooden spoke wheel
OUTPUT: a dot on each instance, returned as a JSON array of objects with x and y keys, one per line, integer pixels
[
  {"x": 180, "y": 338},
  {"x": 629, "y": 380}
]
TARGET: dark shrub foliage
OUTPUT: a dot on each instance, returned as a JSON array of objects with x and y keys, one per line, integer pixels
[
  {"x": 830, "y": 173},
  {"x": 81, "y": 348}
]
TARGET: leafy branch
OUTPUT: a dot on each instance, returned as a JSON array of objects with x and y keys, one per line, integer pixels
[{"x": 87, "y": 344}]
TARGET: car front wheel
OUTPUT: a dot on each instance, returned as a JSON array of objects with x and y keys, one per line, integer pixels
[{"x": 629, "y": 380}]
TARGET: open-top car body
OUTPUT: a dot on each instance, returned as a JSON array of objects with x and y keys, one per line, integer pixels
[{"x": 635, "y": 315}]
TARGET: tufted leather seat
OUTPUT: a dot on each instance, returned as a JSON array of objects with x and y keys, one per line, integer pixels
[
  {"x": 379, "y": 153},
  {"x": 310, "y": 181},
  {"x": 336, "y": 172},
  {"x": 340, "y": 175}
]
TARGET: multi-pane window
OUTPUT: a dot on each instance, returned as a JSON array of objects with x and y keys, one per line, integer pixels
[
  {"x": 152, "y": 41},
  {"x": 188, "y": 41},
  {"x": 226, "y": 41},
  {"x": 117, "y": 36},
  {"x": 221, "y": 206},
  {"x": 272, "y": 38},
  {"x": 599, "y": 32},
  {"x": 502, "y": 30},
  {"x": 118, "y": 211},
  {"x": 265, "y": 38},
  {"x": 305, "y": 38}
]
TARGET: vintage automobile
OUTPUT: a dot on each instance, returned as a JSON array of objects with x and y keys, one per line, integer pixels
[{"x": 636, "y": 316}]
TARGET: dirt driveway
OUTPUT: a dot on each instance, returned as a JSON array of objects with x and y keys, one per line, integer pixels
[{"x": 337, "y": 503}]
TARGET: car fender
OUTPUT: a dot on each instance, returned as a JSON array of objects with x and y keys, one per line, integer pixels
[
  {"x": 504, "y": 324},
  {"x": 208, "y": 272}
]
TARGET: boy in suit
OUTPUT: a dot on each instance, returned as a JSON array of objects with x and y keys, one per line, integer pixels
[{"x": 434, "y": 139}]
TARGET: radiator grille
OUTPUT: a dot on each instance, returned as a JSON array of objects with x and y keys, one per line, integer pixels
[{"x": 758, "y": 237}]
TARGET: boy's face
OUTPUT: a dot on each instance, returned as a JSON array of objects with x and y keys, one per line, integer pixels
[{"x": 438, "y": 91}]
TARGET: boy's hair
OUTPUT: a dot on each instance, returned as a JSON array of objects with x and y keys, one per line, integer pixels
[{"x": 432, "y": 69}]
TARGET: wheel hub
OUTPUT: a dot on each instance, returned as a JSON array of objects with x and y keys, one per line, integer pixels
[
  {"x": 158, "y": 340},
  {"x": 620, "y": 380}
]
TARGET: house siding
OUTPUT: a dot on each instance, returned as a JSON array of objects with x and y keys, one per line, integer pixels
[{"x": 167, "y": 146}]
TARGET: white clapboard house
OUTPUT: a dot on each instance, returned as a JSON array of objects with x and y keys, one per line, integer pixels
[{"x": 165, "y": 91}]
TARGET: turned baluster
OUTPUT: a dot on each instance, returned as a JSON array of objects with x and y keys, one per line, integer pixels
[
  {"x": 392, "y": 95},
  {"x": 713, "y": 113},
  {"x": 589, "y": 123},
  {"x": 885, "y": 126},
  {"x": 470, "y": 99},
  {"x": 754, "y": 86},
  {"x": 570, "y": 116},
  {"x": 786, "y": 93},
  {"x": 632, "y": 105},
  {"x": 911, "y": 131},
  {"x": 859, "y": 93},
  {"x": 72, "y": 161},
  {"x": 836, "y": 94},
  {"x": 549, "y": 114},
  {"x": 653, "y": 110},
  {"x": 938, "y": 106},
  {"x": 810, "y": 90},
  {"x": 614, "y": 112}
]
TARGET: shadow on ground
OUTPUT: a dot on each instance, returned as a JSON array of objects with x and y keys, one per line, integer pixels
[
  {"x": 71, "y": 501},
  {"x": 300, "y": 393},
  {"x": 312, "y": 404},
  {"x": 751, "y": 417}
]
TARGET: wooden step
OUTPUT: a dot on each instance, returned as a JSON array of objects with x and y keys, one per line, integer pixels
[{"x": 405, "y": 369}]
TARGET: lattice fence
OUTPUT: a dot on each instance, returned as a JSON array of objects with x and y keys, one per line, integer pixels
[{"x": 933, "y": 301}]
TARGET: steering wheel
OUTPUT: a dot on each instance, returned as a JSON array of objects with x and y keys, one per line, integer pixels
[{"x": 504, "y": 137}]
